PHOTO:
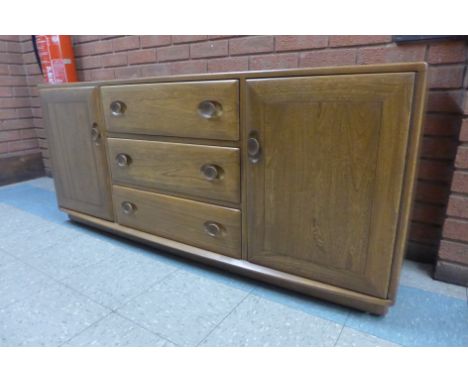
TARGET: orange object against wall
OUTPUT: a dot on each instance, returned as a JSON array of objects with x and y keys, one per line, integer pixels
[{"x": 57, "y": 58}]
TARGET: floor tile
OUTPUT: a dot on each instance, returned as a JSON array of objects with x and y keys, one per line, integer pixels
[
  {"x": 48, "y": 317},
  {"x": 260, "y": 322},
  {"x": 18, "y": 281},
  {"x": 419, "y": 275},
  {"x": 45, "y": 183},
  {"x": 114, "y": 330},
  {"x": 351, "y": 337},
  {"x": 116, "y": 280},
  {"x": 184, "y": 307},
  {"x": 419, "y": 318},
  {"x": 66, "y": 257},
  {"x": 307, "y": 304},
  {"x": 5, "y": 258},
  {"x": 20, "y": 224}
]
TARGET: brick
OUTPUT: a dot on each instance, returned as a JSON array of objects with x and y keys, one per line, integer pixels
[
  {"x": 85, "y": 38},
  {"x": 11, "y": 58},
  {"x": 102, "y": 74},
  {"x": 461, "y": 160},
  {"x": 173, "y": 53},
  {"x": 427, "y": 192},
  {"x": 424, "y": 233},
  {"x": 465, "y": 104},
  {"x": 117, "y": 59},
  {"x": 127, "y": 72},
  {"x": 8, "y": 114},
  {"x": 285, "y": 43},
  {"x": 348, "y": 40},
  {"x": 209, "y": 49},
  {"x": 22, "y": 145},
  {"x": 458, "y": 207},
  {"x": 10, "y": 135},
  {"x": 154, "y": 41},
  {"x": 9, "y": 37},
  {"x": 155, "y": 70},
  {"x": 391, "y": 53},
  {"x": 450, "y": 250},
  {"x": 17, "y": 123},
  {"x": 439, "y": 148},
  {"x": 464, "y": 131},
  {"x": 434, "y": 170},
  {"x": 249, "y": 45},
  {"x": 14, "y": 47},
  {"x": 427, "y": 213},
  {"x": 14, "y": 102},
  {"x": 141, "y": 56},
  {"x": 4, "y": 69},
  {"x": 460, "y": 181},
  {"x": 274, "y": 61},
  {"x": 3, "y": 147},
  {"x": 446, "y": 52},
  {"x": 28, "y": 133},
  {"x": 91, "y": 62},
  {"x": 229, "y": 64},
  {"x": 6, "y": 92},
  {"x": 445, "y": 101},
  {"x": 444, "y": 77},
  {"x": 126, "y": 43},
  {"x": 178, "y": 39},
  {"x": 335, "y": 57},
  {"x": 21, "y": 92},
  {"x": 33, "y": 69},
  {"x": 17, "y": 70},
  {"x": 189, "y": 67},
  {"x": 441, "y": 125},
  {"x": 93, "y": 48},
  {"x": 456, "y": 229}
]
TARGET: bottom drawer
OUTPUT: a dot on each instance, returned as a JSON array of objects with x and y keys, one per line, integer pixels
[{"x": 203, "y": 225}]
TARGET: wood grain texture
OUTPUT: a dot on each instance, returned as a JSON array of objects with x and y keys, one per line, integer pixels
[
  {"x": 175, "y": 167},
  {"x": 172, "y": 109},
  {"x": 323, "y": 201},
  {"x": 180, "y": 219},
  {"x": 79, "y": 164}
]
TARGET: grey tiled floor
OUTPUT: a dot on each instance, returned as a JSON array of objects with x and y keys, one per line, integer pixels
[{"x": 63, "y": 284}]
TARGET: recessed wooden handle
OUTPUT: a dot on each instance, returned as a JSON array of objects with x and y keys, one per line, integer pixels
[
  {"x": 213, "y": 229},
  {"x": 210, "y": 109},
  {"x": 253, "y": 149},
  {"x": 128, "y": 208},
  {"x": 117, "y": 108},
  {"x": 123, "y": 160},
  {"x": 211, "y": 171},
  {"x": 95, "y": 134}
]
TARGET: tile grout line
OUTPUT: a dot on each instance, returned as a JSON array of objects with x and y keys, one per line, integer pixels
[
  {"x": 342, "y": 328},
  {"x": 224, "y": 318}
]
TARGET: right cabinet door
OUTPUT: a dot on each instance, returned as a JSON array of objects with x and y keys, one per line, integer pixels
[{"x": 325, "y": 171}]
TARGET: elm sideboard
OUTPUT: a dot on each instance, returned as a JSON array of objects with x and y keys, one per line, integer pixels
[{"x": 302, "y": 178}]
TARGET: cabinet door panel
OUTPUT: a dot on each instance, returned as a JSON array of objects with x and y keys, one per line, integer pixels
[
  {"x": 323, "y": 200},
  {"x": 79, "y": 162}
]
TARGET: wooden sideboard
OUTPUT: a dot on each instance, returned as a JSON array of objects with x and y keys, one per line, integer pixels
[{"x": 301, "y": 178}]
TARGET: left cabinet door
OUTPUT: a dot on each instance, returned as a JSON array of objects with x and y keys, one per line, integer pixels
[{"x": 77, "y": 150}]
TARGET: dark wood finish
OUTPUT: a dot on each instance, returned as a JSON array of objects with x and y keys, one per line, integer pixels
[
  {"x": 174, "y": 109},
  {"x": 379, "y": 149},
  {"x": 20, "y": 167},
  {"x": 77, "y": 150},
  {"x": 180, "y": 219},
  {"x": 323, "y": 199},
  {"x": 176, "y": 167},
  {"x": 310, "y": 287}
]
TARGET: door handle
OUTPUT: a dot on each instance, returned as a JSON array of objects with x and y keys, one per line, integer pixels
[
  {"x": 95, "y": 134},
  {"x": 254, "y": 149}
]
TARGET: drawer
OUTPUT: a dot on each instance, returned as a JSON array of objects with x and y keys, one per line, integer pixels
[
  {"x": 203, "y": 225},
  {"x": 199, "y": 109},
  {"x": 195, "y": 170}
]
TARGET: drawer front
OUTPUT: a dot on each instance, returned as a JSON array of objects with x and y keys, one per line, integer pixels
[
  {"x": 195, "y": 170},
  {"x": 203, "y": 225},
  {"x": 199, "y": 109}
]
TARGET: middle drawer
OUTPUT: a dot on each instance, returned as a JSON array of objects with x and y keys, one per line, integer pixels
[{"x": 195, "y": 170}]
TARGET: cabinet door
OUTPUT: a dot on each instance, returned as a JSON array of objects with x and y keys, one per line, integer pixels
[
  {"x": 77, "y": 150},
  {"x": 324, "y": 190}
]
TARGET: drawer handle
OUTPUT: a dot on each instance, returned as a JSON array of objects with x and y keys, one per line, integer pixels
[
  {"x": 210, "y": 109},
  {"x": 128, "y": 208},
  {"x": 253, "y": 148},
  {"x": 211, "y": 171},
  {"x": 117, "y": 108},
  {"x": 123, "y": 160},
  {"x": 213, "y": 229}
]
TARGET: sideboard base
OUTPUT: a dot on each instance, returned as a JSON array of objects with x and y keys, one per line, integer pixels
[{"x": 299, "y": 284}]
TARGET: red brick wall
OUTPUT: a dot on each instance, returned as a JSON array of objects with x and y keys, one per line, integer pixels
[
  {"x": 17, "y": 132},
  {"x": 123, "y": 57}
]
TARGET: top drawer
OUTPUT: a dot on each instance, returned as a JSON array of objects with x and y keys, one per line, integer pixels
[{"x": 199, "y": 109}]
